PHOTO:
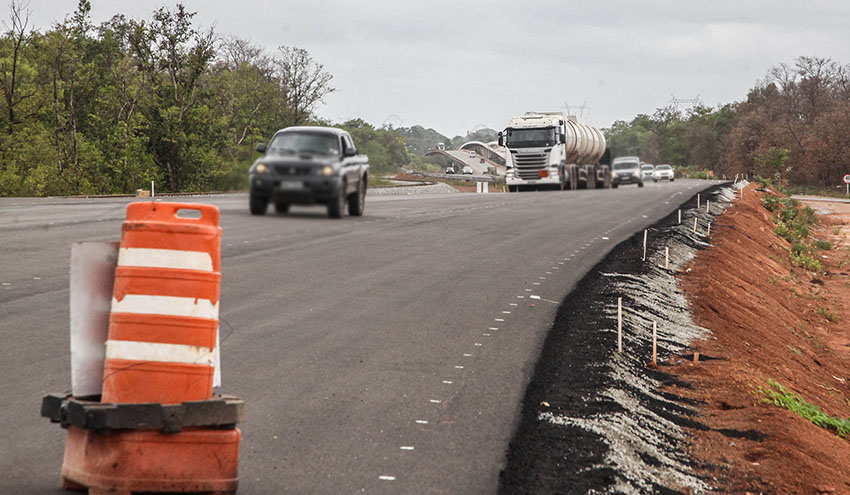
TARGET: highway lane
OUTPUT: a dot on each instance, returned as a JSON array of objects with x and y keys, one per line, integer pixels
[{"x": 382, "y": 354}]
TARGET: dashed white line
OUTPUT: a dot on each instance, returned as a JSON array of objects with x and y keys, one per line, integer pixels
[
  {"x": 485, "y": 334},
  {"x": 534, "y": 297},
  {"x": 500, "y": 319},
  {"x": 386, "y": 478},
  {"x": 512, "y": 304},
  {"x": 406, "y": 447},
  {"x": 466, "y": 354},
  {"x": 478, "y": 344},
  {"x": 422, "y": 421},
  {"x": 492, "y": 328},
  {"x": 435, "y": 401},
  {"x": 448, "y": 382},
  {"x": 458, "y": 367},
  {"x": 506, "y": 312}
]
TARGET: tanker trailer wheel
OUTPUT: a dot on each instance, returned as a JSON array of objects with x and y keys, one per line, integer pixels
[
  {"x": 573, "y": 177},
  {"x": 591, "y": 177}
]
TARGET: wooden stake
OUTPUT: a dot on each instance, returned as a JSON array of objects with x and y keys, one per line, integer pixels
[
  {"x": 620, "y": 325},
  {"x": 644, "y": 244},
  {"x": 696, "y": 357},
  {"x": 680, "y": 216},
  {"x": 697, "y": 200},
  {"x": 707, "y": 205},
  {"x": 695, "y": 225},
  {"x": 708, "y": 231},
  {"x": 654, "y": 342},
  {"x": 666, "y": 258}
]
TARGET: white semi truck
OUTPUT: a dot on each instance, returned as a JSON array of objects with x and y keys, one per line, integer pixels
[{"x": 550, "y": 149}]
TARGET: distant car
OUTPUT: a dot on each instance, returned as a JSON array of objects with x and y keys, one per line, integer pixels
[
  {"x": 646, "y": 171},
  {"x": 467, "y": 170},
  {"x": 471, "y": 154},
  {"x": 663, "y": 172},
  {"x": 451, "y": 169},
  {"x": 626, "y": 170}
]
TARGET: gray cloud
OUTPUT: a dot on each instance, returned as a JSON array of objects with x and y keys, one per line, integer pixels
[{"x": 453, "y": 65}]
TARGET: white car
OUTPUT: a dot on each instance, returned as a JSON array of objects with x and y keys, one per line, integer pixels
[
  {"x": 663, "y": 172},
  {"x": 450, "y": 169},
  {"x": 467, "y": 170},
  {"x": 646, "y": 171}
]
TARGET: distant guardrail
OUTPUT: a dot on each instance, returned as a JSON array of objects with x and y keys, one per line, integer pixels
[{"x": 458, "y": 177}]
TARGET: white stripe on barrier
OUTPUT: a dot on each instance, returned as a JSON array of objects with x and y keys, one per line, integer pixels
[
  {"x": 165, "y": 258},
  {"x": 165, "y": 305},
  {"x": 158, "y": 352}
]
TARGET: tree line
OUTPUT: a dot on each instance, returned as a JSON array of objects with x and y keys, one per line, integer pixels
[
  {"x": 793, "y": 127},
  {"x": 107, "y": 109}
]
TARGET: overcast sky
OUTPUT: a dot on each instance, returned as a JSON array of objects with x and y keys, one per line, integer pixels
[{"x": 453, "y": 65}]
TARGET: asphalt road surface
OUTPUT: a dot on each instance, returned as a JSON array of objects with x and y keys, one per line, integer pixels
[{"x": 382, "y": 354}]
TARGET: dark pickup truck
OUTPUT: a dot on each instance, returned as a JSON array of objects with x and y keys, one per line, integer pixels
[{"x": 309, "y": 165}]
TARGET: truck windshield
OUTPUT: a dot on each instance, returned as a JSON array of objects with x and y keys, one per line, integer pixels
[
  {"x": 530, "y": 138},
  {"x": 305, "y": 142}
]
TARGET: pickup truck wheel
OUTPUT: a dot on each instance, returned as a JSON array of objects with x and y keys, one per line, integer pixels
[
  {"x": 357, "y": 201},
  {"x": 640, "y": 184},
  {"x": 337, "y": 205},
  {"x": 258, "y": 205},
  {"x": 281, "y": 206}
]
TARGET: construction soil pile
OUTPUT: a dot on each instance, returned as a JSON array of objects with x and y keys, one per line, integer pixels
[{"x": 769, "y": 320}]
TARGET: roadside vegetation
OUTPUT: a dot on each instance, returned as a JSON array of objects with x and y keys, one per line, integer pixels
[
  {"x": 795, "y": 123},
  {"x": 794, "y": 224},
  {"x": 775, "y": 393}
]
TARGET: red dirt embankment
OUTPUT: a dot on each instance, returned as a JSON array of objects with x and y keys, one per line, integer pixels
[{"x": 770, "y": 320}]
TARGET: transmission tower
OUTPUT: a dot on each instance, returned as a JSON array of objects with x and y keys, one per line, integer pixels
[
  {"x": 571, "y": 109},
  {"x": 686, "y": 103},
  {"x": 393, "y": 122}
]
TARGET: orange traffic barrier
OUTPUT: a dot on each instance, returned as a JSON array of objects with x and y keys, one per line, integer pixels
[
  {"x": 134, "y": 461},
  {"x": 164, "y": 315}
]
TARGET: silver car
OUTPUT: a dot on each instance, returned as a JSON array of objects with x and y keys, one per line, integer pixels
[
  {"x": 626, "y": 170},
  {"x": 663, "y": 172},
  {"x": 646, "y": 171}
]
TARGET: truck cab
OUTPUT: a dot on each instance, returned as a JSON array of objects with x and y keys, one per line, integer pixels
[{"x": 551, "y": 150}]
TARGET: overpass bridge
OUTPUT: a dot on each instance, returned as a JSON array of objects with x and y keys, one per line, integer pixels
[{"x": 480, "y": 156}]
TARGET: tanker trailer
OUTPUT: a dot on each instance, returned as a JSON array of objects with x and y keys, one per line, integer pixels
[{"x": 551, "y": 150}]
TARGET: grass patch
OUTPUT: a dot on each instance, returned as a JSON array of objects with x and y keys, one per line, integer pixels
[
  {"x": 831, "y": 317},
  {"x": 823, "y": 245},
  {"x": 778, "y": 395}
]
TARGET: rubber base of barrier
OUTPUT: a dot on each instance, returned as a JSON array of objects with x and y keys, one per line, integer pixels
[{"x": 133, "y": 461}]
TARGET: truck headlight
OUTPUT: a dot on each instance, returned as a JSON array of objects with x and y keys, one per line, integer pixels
[
  {"x": 327, "y": 170},
  {"x": 262, "y": 168}
]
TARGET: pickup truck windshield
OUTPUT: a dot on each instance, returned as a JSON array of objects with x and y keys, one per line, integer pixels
[
  {"x": 530, "y": 138},
  {"x": 305, "y": 142}
]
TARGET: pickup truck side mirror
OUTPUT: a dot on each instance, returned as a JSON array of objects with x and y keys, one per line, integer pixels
[
  {"x": 349, "y": 151},
  {"x": 501, "y": 139},
  {"x": 261, "y": 147}
]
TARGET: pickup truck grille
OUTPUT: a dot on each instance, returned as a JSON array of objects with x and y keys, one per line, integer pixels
[
  {"x": 529, "y": 164},
  {"x": 293, "y": 170}
]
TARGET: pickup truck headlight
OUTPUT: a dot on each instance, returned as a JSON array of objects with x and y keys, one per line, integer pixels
[
  {"x": 262, "y": 168},
  {"x": 327, "y": 170}
]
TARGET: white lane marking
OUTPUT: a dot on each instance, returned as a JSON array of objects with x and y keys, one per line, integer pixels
[
  {"x": 535, "y": 283},
  {"x": 435, "y": 401},
  {"x": 465, "y": 354},
  {"x": 500, "y": 319},
  {"x": 560, "y": 262},
  {"x": 541, "y": 278},
  {"x": 422, "y": 421},
  {"x": 458, "y": 367},
  {"x": 386, "y": 478},
  {"x": 604, "y": 238},
  {"x": 485, "y": 334},
  {"x": 448, "y": 382},
  {"x": 158, "y": 352},
  {"x": 492, "y": 328},
  {"x": 36, "y": 278},
  {"x": 534, "y": 297},
  {"x": 6, "y": 283},
  {"x": 520, "y": 297},
  {"x": 512, "y": 304},
  {"x": 528, "y": 290},
  {"x": 478, "y": 344},
  {"x": 406, "y": 447},
  {"x": 165, "y": 305},
  {"x": 506, "y": 312},
  {"x": 165, "y": 258}
]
